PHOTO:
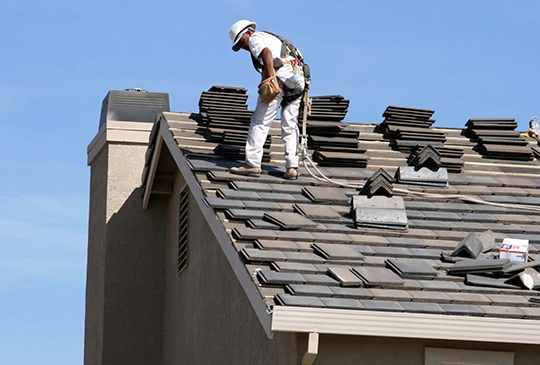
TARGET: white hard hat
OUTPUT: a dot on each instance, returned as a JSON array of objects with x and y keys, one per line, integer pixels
[{"x": 237, "y": 31}]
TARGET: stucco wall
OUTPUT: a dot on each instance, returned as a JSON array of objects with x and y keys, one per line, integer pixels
[
  {"x": 358, "y": 350},
  {"x": 125, "y": 286},
  {"x": 208, "y": 318}
]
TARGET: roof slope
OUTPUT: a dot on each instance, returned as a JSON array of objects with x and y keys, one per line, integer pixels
[{"x": 299, "y": 242}]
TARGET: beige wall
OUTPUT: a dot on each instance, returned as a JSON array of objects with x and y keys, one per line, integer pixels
[
  {"x": 125, "y": 287},
  {"x": 208, "y": 318},
  {"x": 358, "y": 350}
]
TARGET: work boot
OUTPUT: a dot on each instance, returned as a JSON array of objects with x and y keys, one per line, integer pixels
[
  {"x": 246, "y": 170},
  {"x": 292, "y": 173}
]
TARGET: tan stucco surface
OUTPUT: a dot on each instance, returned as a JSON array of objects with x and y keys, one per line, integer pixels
[
  {"x": 208, "y": 318},
  {"x": 125, "y": 263}
]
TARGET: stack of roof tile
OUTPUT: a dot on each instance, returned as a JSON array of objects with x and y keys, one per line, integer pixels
[
  {"x": 331, "y": 107},
  {"x": 408, "y": 127},
  {"x": 334, "y": 143},
  {"x": 225, "y": 117},
  {"x": 450, "y": 157},
  {"x": 498, "y": 139},
  {"x": 424, "y": 169}
]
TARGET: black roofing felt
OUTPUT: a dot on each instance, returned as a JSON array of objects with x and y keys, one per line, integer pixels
[{"x": 302, "y": 235}]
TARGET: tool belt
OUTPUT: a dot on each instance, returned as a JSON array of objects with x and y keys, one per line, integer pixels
[{"x": 269, "y": 89}]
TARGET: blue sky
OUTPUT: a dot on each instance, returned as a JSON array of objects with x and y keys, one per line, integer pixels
[{"x": 58, "y": 59}]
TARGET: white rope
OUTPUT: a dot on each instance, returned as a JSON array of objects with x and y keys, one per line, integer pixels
[{"x": 464, "y": 198}]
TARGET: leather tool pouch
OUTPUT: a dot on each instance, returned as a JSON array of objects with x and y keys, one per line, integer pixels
[{"x": 269, "y": 89}]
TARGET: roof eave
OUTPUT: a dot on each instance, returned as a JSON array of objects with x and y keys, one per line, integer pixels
[{"x": 405, "y": 325}]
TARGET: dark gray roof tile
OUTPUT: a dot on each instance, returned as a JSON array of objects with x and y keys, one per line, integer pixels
[
  {"x": 254, "y": 254},
  {"x": 444, "y": 216},
  {"x": 531, "y": 312},
  {"x": 317, "y": 211},
  {"x": 285, "y": 188},
  {"x": 503, "y": 299},
  {"x": 326, "y": 195},
  {"x": 270, "y": 277},
  {"x": 468, "y": 226},
  {"x": 415, "y": 214},
  {"x": 301, "y": 268},
  {"x": 277, "y": 197},
  {"x": 218, "y": 203},
  {"x": 462, "y": 309},
  {"x": 245, "y": 233},
  {"x": 243, "y": 214},
  {"x": 262, "y": 205},
  {"x": 348, "y": 292},
  {"x": 500, "y": 311},
  {"x": 477, "y": 217},
  {"x": 375, "y": 276},
  {"x": 392, "y": 251},
  {"x": 368, "y": 239},
  {"x": 277, "y": 245},
  {"x": 309, "y": 290},
  {"x": 260, "y": 224},
  {"x": 344, "y": 276},
  {"x": 509, "y": 191},
  {"x": 420, "y": 205},
  {"x": 305, "y": 257},
  {"x": 416, "y": 307},
  {"x": 428, "y": 224},
  {"x": 390, "y": 294},
  {"x": 294, "y": 235},
  {"x": 298, "y": 301},
  {"x": 316, "y": 279},
  {"x": 440, "y": 285},
  {"x": 382, "y": 305},
  {"x": 341, "y": 303},
  {"x": 430, "y": 296},
  {"x": 287, "y": 220},
  {"x": 331, "y": 251},
  {"x": 332, "y": 237},
  {"x": 411, "y": 268},
  {"x": 237, "y": 194},
  {"x": 469, "y": 298},
  {"x": 454, "y": 207},
  {"x": 406, "y": 242},
  {"x": 251, "y": 186},
  {"x": 421, "y": 253}
]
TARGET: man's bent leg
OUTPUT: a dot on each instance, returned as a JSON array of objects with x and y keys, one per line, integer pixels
[
  {"x": 289, "y": 132},
  {"x": 261, "y": 120}
]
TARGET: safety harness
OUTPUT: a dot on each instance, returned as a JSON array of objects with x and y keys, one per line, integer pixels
[{"x": 287, "y": 50}]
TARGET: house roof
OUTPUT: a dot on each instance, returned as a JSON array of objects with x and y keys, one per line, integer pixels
[{"x": 300, "y": 246}]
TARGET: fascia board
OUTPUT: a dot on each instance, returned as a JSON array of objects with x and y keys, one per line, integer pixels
[
  {"x": 152, "y": 171},
  {"x": 219, "y": 232},
  {"x": 118, "y": 132},
  {"x": 405, "y": 325}
]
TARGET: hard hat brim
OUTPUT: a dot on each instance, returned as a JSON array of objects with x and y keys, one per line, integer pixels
[{"x": 236, "y": 45}]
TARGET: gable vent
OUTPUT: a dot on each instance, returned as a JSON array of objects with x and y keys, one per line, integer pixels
[{"x": 183, "y": 231}]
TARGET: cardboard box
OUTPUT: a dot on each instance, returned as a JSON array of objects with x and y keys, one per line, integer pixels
[{"x": 516, "y": 250}]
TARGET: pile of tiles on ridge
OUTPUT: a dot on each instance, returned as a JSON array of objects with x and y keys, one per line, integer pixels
[
  {"x": 225, "y": 120},
  {"x": 334, "y": 143},
  {"x": 409, "y": 130},
  {"x": 497, "y": 138}
]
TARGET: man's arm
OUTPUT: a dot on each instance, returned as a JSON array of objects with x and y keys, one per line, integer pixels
[{"x": 268, "y": 62}]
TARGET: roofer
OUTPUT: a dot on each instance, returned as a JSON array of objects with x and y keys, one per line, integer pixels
[{"x": 283, "y": 82}]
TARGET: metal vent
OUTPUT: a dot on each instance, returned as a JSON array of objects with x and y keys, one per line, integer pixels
[
  {"x": 183, "y": 231},
  {"x": 133, "y": 105}
]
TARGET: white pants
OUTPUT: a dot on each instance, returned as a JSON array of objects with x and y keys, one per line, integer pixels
[{"x": 261, "y": 121}]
